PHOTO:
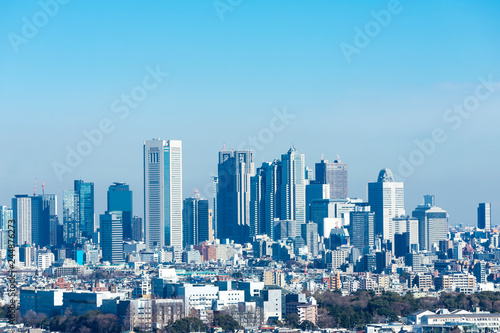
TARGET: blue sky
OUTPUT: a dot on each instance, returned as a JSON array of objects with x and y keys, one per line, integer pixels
[{"x": 225, "y": 78}]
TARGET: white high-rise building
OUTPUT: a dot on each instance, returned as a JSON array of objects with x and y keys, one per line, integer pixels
[
  {"x": 293, "y": 188},
  {"x": 21, "y": 206},
  {"x": 6, "y": 214},
  {"x": 163, "y": 193},
  {"x": 44, "y": 260},
  {"x": 386, "y": 199},
  {"x": 432, "y": 225}
]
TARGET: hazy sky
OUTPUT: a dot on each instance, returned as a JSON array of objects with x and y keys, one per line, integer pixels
[{"x": 362, "y": 79}]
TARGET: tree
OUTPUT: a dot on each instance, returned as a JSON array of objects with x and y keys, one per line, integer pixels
[
  {"x": 325, "y": 320},
  {"x": 307, "y": 325},
  {"x": 186, "y": 325},
  {"x": 226, "y": 321},
  {"x": 277, "y": 322},
  {"x": 292, "y": 320}
]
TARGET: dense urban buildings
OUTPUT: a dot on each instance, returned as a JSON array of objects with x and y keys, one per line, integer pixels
[{"x": 269, "y": 237}]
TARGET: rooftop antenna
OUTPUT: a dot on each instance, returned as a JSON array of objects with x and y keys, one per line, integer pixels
[
  {"x": 34, "y": 189},
  {"x": 338, "y": 158},
  {"x": 196, "y": 195},
  {"x": 323, "y": 156},
  {"x": 224, "y": 146},
  {"x": 43, "y": 186}
]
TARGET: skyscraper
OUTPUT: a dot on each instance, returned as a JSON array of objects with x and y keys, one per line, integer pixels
[
  {"x": 293, "y": 187},
  {"x": 196, "y": 221},
  {"x": 111, "y": 238},
  {"x": 43, "y": 211},
  {"x": 409, "y": 226},
  {"x": 21, "y": 207},
  {"x": 432, "y": 225},
  {"x": 163, "y": 193},
  {"x": 334, "y": 174},
  {"x": 233, "y": 194},
  {"x": 6, "y": 214},
  {"x": 285, "y": 229},
  {"x": 330, "y": 214},
  {"x": 120, "y": 203},
  {"x": 265, "y": 202},
  {"x": 214, "y": 215},
  {"x": 362, "y": 227},
  {"x": 480, "y": 271},
  {"x": 386, "y": 199},
  {"x": 484, "y": 216},
  {"x": 257, "y": 203},
  {"x": 71, "y": 217},
  {"x": 309, "y": 232},
  {"x": 85, "y": 192},
  {"x": 315, "y": 191},
  {"x": 137, "y": 229}
]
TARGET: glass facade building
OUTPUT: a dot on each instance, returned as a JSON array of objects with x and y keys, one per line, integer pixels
[
  {"x": 163, "y": 193},
  {"x": 120, "y": 203}
]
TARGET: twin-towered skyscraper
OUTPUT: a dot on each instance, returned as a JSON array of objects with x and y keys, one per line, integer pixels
[{"x": 163, "y": 193}]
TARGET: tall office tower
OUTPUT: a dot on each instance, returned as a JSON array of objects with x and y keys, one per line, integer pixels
[
  {"x": 233, "y": 194},
  {"x": 120, "y": 203},
  {"x": 137, "y": 229},
  {"x": 285, "y": 229},
  {"x": 362, "y": 227},
  {"x": 85, "y": 192},
  {"x": 54, "y": 239},
  {"x": 334, "y": 174},
  {"x": 196, "y": 221},
  {"x": 480, "y": 272},
  {"x": 211, "y": 225},
  {"x": 430, "y": 200},
  {"x": 271, "y": 184},
  {"x": 401, "y": 246},
  {"x": 6, "y": 214},
  {"x": 309, "y": 232},
  {"x": 111, "y": 238},
  {"x": 432, "y": 225},
  {"x": 21, "y": 211},
  {"x": 331, "y": 214},
  {"x": 407, "y": 224},
  {"x": 315, "y": 191},
  {"x": 265, "y": 201},
  {"x": 36, "y": 217},
  {"x": 71, "y": 217},
  {"x": 293, "y": 187},
  {"x": 257, "y": 203},
  {"x": 43, "y": 210},
  {"x": 163, "y": 193},
  {"x": 484, "y": 216},
  {"x": 386, "y": 199},
  {"x": 214, "y": 216}
]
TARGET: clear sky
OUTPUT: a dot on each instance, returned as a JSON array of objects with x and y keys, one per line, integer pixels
[{"x": 231, "y": 64}]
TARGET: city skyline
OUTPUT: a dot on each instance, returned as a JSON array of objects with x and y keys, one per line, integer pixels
[
  {"x": 229, "y": 82},
  {"x": 206, "y": 192},
  {"x": 231, "y": 165}
]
